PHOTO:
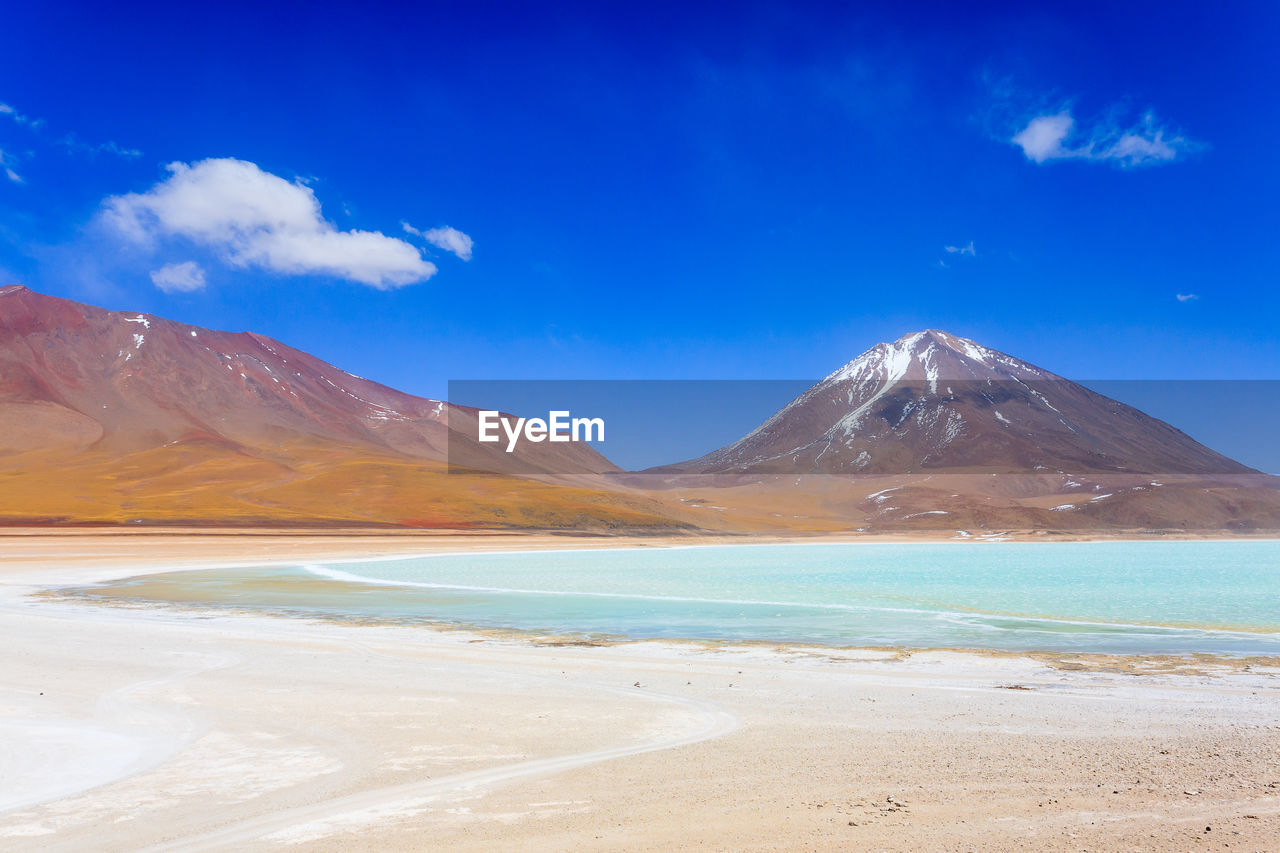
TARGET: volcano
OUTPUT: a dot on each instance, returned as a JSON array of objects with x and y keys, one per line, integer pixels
[
  {"x": 935, "y": 431},
  {"x": 936, "y": 402}
]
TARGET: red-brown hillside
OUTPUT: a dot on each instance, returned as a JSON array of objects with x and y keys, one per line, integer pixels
[{"x": 116, "y": 416}]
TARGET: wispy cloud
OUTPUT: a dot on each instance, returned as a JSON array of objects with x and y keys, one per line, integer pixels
[
  {"x": 6, "y": 165},
  {"x": 449, "y": 239},
  {"x": 1047, "y": 127},
  {"x": 252, "y": 218},
  {"x": 186, "y": 277},
  {"x": 70, "y": 141},
  {"x": 14, "y": 115},
  {"x": 1058, "y": 136},
  {"x": 1188, "y": 297},
  {"x": 966, "y": 251},
  {"x": 73, "y": 143}
]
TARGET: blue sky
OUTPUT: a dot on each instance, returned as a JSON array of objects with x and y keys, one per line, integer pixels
[{"x": 657, "y": 191}]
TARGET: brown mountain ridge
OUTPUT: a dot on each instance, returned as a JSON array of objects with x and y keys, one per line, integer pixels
[{"x": 111, "y": 417}]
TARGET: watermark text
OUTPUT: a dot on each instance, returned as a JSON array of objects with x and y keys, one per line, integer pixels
[{"x": 559, "y": 426}]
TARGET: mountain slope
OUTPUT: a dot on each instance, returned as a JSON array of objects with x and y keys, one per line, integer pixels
[
  {"x": 937, "y": 432},
  {"x": 124, "y": 382},
  {"x": 109, "y": 416},
  {"x": 936, "y": 402}
]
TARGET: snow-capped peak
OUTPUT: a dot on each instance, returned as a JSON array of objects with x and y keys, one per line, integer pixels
[
  {"x": 886, "y": 362},
  {"x": 969, "y": 349},
  {"x": 930, "y": 355}
]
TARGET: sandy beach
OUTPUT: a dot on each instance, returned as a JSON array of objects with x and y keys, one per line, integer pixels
[{"x": 152, "y": 728}]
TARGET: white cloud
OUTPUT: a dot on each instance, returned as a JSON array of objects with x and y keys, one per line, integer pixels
[
  {"x": 1056, "y": 136},
  {"x": 185, "y": 277},
  {"x": 449, "y": 239},
  {"x": 253, "y": 218},
  {"x": 1187, "y": 297},
  {"x": 1043, "y": 136}
]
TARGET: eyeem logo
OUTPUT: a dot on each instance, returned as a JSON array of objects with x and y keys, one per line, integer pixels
[{"x": 558, "y": 426}]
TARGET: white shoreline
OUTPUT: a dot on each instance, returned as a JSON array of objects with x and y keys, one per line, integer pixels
[
  {"x": 115, "y": 573},
  {"x": 318, "y": 569}
]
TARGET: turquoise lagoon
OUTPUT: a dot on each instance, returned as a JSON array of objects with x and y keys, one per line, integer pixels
[{"x": 1181, "y": 597}]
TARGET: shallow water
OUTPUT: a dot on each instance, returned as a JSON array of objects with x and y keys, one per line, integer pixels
[{"x": 1110, "y": 597}]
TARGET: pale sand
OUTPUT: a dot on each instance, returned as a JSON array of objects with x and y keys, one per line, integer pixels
[{"x": 127, "y": 729}]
